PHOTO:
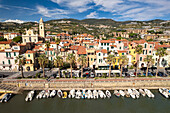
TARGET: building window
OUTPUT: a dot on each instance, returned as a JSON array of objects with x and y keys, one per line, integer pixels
[
  {"x": 129, "y": 51},
  {"x": 146, "y": 52},
  {"x": 145, "y": 45},
  {"x": 91, "y": 59},
  {"x": 122, "y": 53},
  {"x": 150, "y": 46},
  {"x": 51, "y": 58},
  {"x": 6, "y": 54},
  {"x": 46, "y": 52},
  {"x": 143, "y": 51},
  {"x": 24, "y": 40},
  {"x": 14, "y": 54},
  {"x": 112, "y": 47},
  {"x": 51, "y": 53},
  {"x": 120, "y": 48},
  {"x": 107, "y": 44},
  {"x": 28, "y": 55},
  {"x": 30, "y": 39},
  {"x": 107, "y": 48},
  {"x": 9, "y": 62},
  {"x": 99, "y": 54},
  {"x": 101, "y": 47},
  {"x": 102, "y": 44},
  {"x": 34, "y": 40},
  {"x": 149, "y": 51},
  {"x": 140, "y": 58},
  {"x": 3, "y": 62}
]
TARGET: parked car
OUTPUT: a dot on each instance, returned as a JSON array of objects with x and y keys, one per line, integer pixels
[
  {"x": 131, "y": 74},
  {"x": 161, "y": 74}
]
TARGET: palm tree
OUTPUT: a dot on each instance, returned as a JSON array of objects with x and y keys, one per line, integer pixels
[
  {"x": 149, "y": 61},
  {"x": 138, "y": 50},
  {"x": 47, "y": 45},
  {"x": 110, "y": 60},
  {"x": 20, "y": 60},
  {"x": 57, "y": 42},
  {"x": 71, "y": 59},
  {"x": 42, "y": 59},
  {"x": 123, "y": 61},
  {"x": 160, "y": 52},
  {"x": 58, "y": 63},
  {"x": 82, "y": 60}
]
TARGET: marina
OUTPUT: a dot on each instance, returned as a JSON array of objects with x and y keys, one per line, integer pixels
[{"x": 114, "y": 104}]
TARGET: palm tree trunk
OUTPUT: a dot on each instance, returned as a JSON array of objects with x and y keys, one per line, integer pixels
[
  {"x": 43, "y": 72},
  {"x": 22, "y": 74},
  {"x": 71, "y": 71},
  {"x": 59, "y": 72},
  {"x": 48, "y": 55},
  {"x": 121, "y": 70},
  {"x": 147, "y": 70},
  {"x": 157, "y": 67},
  {"x": 82, "y": 72},
  {"x": 109, "y": 71},
  {"x": 57, "y": 49},
  {"x": 137, "y": 69}
]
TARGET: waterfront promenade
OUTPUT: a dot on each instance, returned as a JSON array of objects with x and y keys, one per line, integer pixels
[{"x": 102, "y": 84}]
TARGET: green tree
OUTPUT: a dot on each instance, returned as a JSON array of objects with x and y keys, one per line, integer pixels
[
  {"x": 21, "y": 61},
  {"x": 111, "y": 60},
  {"x": 160, "y": 52},
  {"x": 138, "y": 50},
  {"x": 17, "y": 39},
  {"x": 58, "y": 63},
  {"x": 71, "y": 59},
  {"x": 82, "y": 60},
  {"x": 3, "y": 39},
  {"x": 149, "y": 61},
  {"x": 42, "y": 60},
  {"x": 123, "y": 62}
]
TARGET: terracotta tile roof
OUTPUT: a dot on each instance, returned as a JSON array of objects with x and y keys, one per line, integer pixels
[
  {"x": 139, "y": 41},
  {"x": 5, "y": 42},
  {"x": 86, "y": 41},
  {"x": 30, "y": 51},
  {"x": 62, "y": 49},
  {"x": 161, "y": 46},
  {"x": 113, "y": 45},
  {"x": 66, "y": 44},
  {"x": 52, "y": 42},
  {"x": 48, "y": 37},
  {"x": 105, "y": 41},
  {"x": 50, "y": 49},
  {"x": 122, "y": 51},
  {"x": 81, "y": 50},
  {"x": 125, "y": 44},
  {"x": 62, "y": 34},
  {"x": 103, "y": 51},
  {"x": 28, "y": 59},
  {"x": 40, "y": 42},
  {"x": 85, "y": 35},
  {"x": 91, "y": 44},
  {"x": 37, "y": 47},
  {"x": 74, "y": 47}
]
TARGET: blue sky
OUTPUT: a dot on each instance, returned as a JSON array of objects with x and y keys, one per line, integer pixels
[{"x": 119, "y": 10}]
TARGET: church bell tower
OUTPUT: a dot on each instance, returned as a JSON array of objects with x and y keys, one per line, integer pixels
[{"x": 41, "y": 28}]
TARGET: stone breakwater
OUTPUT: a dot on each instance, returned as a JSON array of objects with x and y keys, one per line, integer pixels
[{"x": 102, "y": 84}]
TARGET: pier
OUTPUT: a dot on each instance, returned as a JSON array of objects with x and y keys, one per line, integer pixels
[{"x": 98, "y": 84}]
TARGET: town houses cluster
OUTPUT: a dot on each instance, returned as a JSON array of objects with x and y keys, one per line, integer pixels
[{"x": 94, "y": 49}]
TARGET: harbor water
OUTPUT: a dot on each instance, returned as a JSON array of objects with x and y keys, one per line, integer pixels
[{"x": 17, "y": 104}]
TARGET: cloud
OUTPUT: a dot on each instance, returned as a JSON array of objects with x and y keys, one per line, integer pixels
[
  {"x": 16, "y": 21},
  {"x": 53, "y": 13},
  {"x": 76, "y": 5},
  {"x": 18, "y": 7},
  {"x": 92, "y": 15}
]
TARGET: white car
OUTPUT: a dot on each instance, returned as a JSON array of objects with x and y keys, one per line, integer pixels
[{"x": 131, "y": 74}]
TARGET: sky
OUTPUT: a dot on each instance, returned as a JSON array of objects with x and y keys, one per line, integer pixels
[{"x": 119, "y": 10}]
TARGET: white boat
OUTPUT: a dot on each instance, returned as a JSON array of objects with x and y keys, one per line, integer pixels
[
  {"x": 40, "y": 95},
  {"x": 127, "y": 93},
  {"x": 116, "y": 92},
  {"x": 136, "y": 93},
  {"x": 142, "y": 92},
  {"x": 53, "y": 93},
  {"x": 72, "y": 93},
  {"x": 83, "y": 94},
  {"x": 59, "y": 93},
  {"x": 149, "y": 93},
  {"x": 122, "y": 93},
  {"x": 90, "y": 94},
  {"x": 95, "y": 94},
  {"x": 164, "y": 92},
  {"x": 46, "y": 94},
  {"x": 108, "y": 94},
  {"x": 78, "y": 94},
  {"x": 101, "y": 94},
  {"x": 131, "y": 93},
  {"x": 29, "y": 96},
  {"x": 6, "y": 97}
]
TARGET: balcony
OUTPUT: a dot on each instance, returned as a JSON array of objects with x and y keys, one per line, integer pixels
[{"x": 9, "y": 57}]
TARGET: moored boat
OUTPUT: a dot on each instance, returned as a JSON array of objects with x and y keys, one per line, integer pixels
[
  {"x": 40, "y": 95},
  {"x": 29, "y": 96},
  {"x": 122, "y": 93},
  {"x": 64, "y": 95},
  {"x": 116, "y": 92},
  {"x": 59, "y": 93},
  {"x": 142, "y": 92},
  {"x": 95, "y": 94},
  {"x": 53, "y": 93},
  {"x": 108, "y": 94}
]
